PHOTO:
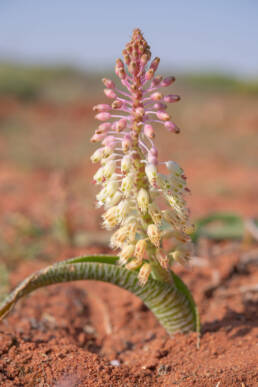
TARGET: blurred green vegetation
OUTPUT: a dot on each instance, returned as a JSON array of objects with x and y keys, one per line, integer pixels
[
  {"x": 30, "y": 82},
  {"x": 221, "y": 82}
]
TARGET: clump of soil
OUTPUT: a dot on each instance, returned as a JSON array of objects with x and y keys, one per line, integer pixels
[{"x": 94, "y": 334}]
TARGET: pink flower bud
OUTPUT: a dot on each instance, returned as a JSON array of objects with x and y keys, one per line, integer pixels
[
  {"x": 149, "y": 131},
  {"x": 171, "y": 98},
  {"x": 127, "y": 59},
  {"x": 155, "y": 63},
  {"x": 98, "y": 137},
  {"x": 154, "y": 151},
  {"x": 117, "y": 104},
  {"x": 152, "y": 159},
  {"x": 101, "y": 108},
  {"x": 113, "y": 126},
  {"x": 120, "y": 125},
  {"x": 133, "y": 68},
  {"x": 144, "y": 59},
  {"x": 163, "y": 116},
  {"x": 108, "y": 83},
  {"x": 149, "y": 74},
  {"x": 126, "y": 142},
  {"x": 167, "y": 81},
  {"x": 157, "y": 96},
  {"x": 103, "y": 116},
  {"x": 156, "y": 81},
  {"x": 171, "y": 127},
  {"x": 109, "y": 141},
  {"x": 104, "y": 126},
  {"x": 160, "y": 106},
  {"x": 121, "y": 73},
  {"x": 119, "y": 63},
  {"x": 109, "y": 93},
  {"x": 139, "y": 112}
]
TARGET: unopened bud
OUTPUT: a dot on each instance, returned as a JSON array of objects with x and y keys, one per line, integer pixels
[
  {"x": 109, "y": 141},
  {"x": 171, "y": 98},
  {"x": 144, "y": 59},
  {"x": 117, "y": 104},
  {"x": 98, "y": 137},
  {"x": 119, "y": 63},
  {"x": 108, "y": 83},
  {"x": 155, "y": 63},
  {"x": 171, "y": 127},
  {"x": 160, "y": 106},
  {"x": 149, "y": 131},
  {"x": 152, "y": 159},
  {"x": 121, "y": 74},
  {"x": 103, "y": 128},
  {"x": 103, "y": 116},
  {"x": 156, "y": 81},
  {"x": 126, "y": 143},
  {"x": 133, "y": 68},
  {"x": 102, "y": 107},
  {"x": 157, "y": 96},
  {"x": 163, "y": 116},
  {"x": 127, "y": 59},
  {"x": 120, "y": 125},
  {"x": 167, "y": 81},
  {"x": 154, "y": 151},
  {"x": 149, "y": 74},
  {"x": 110, "y": 93}
]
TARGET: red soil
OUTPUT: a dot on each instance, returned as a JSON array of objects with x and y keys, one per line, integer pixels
[{"x": 94, "y": 334}]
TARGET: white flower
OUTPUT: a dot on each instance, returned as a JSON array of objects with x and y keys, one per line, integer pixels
[
  {"x": 144, "y": 273},
  {"x": 111, "y": 217},
  {"x": 109, "y": 168},
  {"x": 127, "y": 184},
  {"x": 126, "y": 163},
  {"x": 152, "y": 174},
  {"x": 140, "y": 249},
  {"x": 155, "y": 213},
  {"x": 126, "y": 253},
  {"x": 98, "y": 155},
  {"x": 154, "y": 234},
  {"x": 143, "y": 200}
]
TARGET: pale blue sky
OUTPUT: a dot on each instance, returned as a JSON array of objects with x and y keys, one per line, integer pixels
[{"x": 219, "y": 35}]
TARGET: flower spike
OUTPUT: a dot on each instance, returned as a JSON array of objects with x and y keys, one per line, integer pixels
[{"x": 129, "y": 173}]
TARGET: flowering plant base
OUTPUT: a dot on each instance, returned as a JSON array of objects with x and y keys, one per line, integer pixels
[{"x": 171, "y": 303}]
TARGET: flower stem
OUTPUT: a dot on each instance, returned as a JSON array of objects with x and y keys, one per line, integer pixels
[{"x": 172, "y": 303}]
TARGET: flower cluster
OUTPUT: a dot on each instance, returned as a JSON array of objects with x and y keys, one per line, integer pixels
[{"x": 147, "y": 208}]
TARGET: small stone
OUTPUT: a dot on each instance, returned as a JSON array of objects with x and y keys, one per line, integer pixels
[{"x": 115, "y": 363}]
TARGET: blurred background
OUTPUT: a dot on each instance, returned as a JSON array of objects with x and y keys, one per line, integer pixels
[{"x": 53, "y": 55}]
